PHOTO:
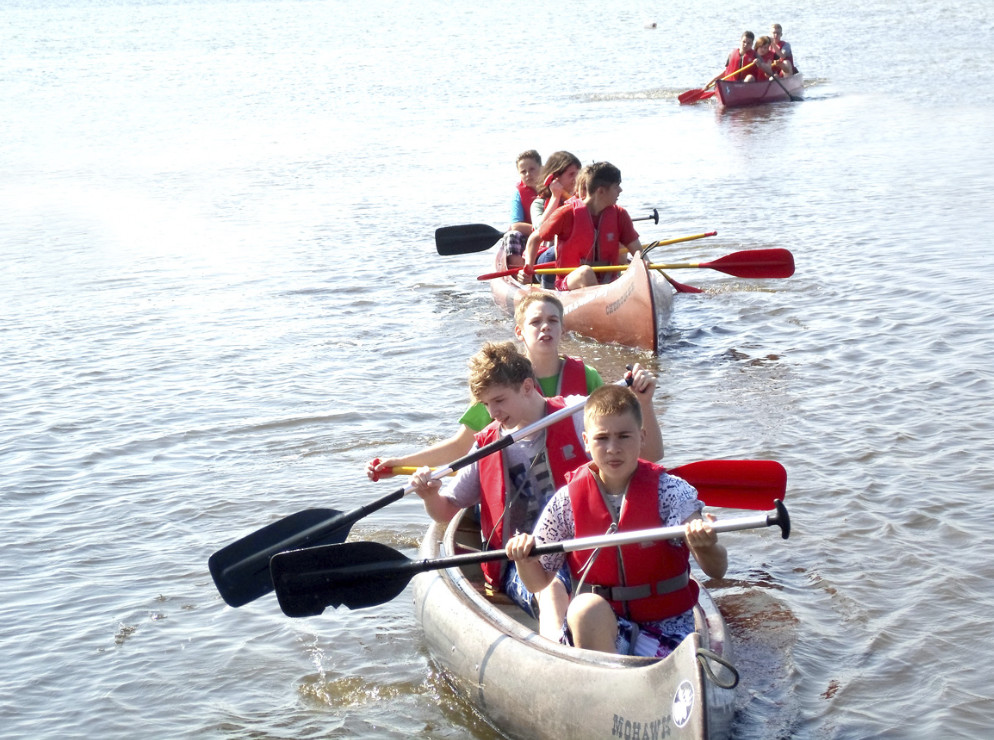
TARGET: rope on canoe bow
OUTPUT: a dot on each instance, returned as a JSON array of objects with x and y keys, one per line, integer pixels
[{"x": 703, "y": 656}]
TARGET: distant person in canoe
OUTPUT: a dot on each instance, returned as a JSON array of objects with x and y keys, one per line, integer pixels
[
  {"x": 513, "y": 485},
  {"x": 529, "y": 164},
  {"x": 588, "y": 232},
  {"x": 737, "y": 60},
  {"x": 767, "y": 63},
  {"x": 782, "y": 48},
  {"x": 557, "y": 181},
  {"x": 637, "y": 599},
  {"x": 538, "y": 325},
  {"x": 547, "y": 250}
]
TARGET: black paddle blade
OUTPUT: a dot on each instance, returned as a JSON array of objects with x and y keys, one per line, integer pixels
[
  {"x": 465, "y": 239},
  {"x": 241, "y": 570},
  {"x": 781, "y": 519},
  {"x": 356, "y": 574}
]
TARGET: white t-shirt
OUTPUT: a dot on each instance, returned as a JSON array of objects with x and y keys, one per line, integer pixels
[{"x": 531, "y": 484}]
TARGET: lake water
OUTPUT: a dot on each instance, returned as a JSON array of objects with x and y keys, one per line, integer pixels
[{"x": 220, "y": 296}]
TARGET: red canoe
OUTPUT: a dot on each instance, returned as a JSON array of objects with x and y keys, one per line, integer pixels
[
  {"x": 739, "y": 94},
  {"x": 628, "y": 311}
]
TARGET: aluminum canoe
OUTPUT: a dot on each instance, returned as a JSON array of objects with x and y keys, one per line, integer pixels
[{"x": 530, "y": 687}]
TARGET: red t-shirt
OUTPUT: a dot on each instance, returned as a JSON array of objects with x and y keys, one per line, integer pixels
[{"x": 560, "y": 223}]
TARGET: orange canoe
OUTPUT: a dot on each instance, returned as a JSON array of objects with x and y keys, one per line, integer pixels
[{"x": 628, "y": 311}]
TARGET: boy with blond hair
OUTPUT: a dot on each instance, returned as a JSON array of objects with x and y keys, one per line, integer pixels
[
  {"x": 538, "y": 324},
  {"x": 588, "y": 231}
]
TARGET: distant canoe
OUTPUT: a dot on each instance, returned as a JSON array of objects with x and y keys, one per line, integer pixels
[
  {"x": 628, "y": 311},
  {"x": 740, "y": 94},
  {"x": 530, "y": 687}
]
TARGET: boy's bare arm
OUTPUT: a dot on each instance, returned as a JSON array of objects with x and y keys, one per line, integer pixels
[
  {"x": 437, "y": 455},
  {"x": 533, "y": 575},
  {"x": 438, "y": 507},
  {"x": 531, "y": 248},
  {"x": 707, "y": 551},
  {"x": 644, "y": 385}
]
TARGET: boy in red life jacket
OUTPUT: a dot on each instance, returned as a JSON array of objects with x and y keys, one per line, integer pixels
[
  {"x": 529, "y": 165},
  {"x": 556, "y": 183},
  {"x": 538, "y": 324},
  {"x": 739, "y": 58},
  {"x": 513, "y": 485},
  {"x": 782, "y": 50},
  {"x": 636, "y": 599},
  {"x": 767, "y": 64},
  {"x": 589, "y": 232}
]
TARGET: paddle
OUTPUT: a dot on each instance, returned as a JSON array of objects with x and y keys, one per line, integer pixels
[
  {"x": 736, "y": 484},
  {"x": 363, "y": 574},
  {"x": 693, "y": 96},
  {"x": 644, "y": 250},
  {"x": 404, "y": 470},
  {"x": 241, "y": 570},
  {"x": 469, "y": 238},
  {"x": 750, "y": 263},
  {"x": 465, "y": 239},
  {"x": 654, "y": 217},
  {"x": 680, "y": 287},
  {"x": 793, "y": 99}
]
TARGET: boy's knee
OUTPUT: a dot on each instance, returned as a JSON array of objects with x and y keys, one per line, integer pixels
[{"x": 593, "y": 623}]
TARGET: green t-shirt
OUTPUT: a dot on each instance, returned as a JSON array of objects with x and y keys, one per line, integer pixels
[{"x": 476, "y": 416}]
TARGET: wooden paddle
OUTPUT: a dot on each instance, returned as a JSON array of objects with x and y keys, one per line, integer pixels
[
  {"x": 644, "y": 249},
  {"x": 692, "y": 96},
  {"x": 469, "y": 238},
  {"x": 363, "y": 574},
  {"x": 406, "y": 470},
  {"x": 750, "y": 263},
  {"x": 733, "y": 484},
  {"x": 241, "y": 570}
]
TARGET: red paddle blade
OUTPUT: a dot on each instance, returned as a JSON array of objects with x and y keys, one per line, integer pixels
[
  {"x": 736, "y": 484},
  {"x": 691, "y": 96},
  {"x": 680, "y": 287},
  {"x": 502, "y": 273},
  {"x": 506, "y": 273},
  {"x": 755, "y": 263}
]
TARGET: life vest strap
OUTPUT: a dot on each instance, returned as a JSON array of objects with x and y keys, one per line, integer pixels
[{"x": 643, "y": 591}]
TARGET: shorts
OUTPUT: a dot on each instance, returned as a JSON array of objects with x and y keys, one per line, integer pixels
[
  {"x": 649, "y": 639},
  {"x": 514, "y": 243},
  {"x": 544, "y": 260},
  {"x": 516, "y": 591}
]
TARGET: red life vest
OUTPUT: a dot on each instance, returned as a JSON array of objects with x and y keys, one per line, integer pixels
[
  {"x": 564, "y": 451},
  {"x": 787, "y": 52},
  {"x": 528, "y": 194},
  {"x": 572, "y": 378},
  {"x": 736, "y": 61},
  {"x": 587, "y": 246},
  {"x": 652, "y": 580},
  {"x": 769, "y": 57}
]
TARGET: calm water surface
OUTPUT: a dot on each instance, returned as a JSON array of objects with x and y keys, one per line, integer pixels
[{"x": 220, "y": 297}]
